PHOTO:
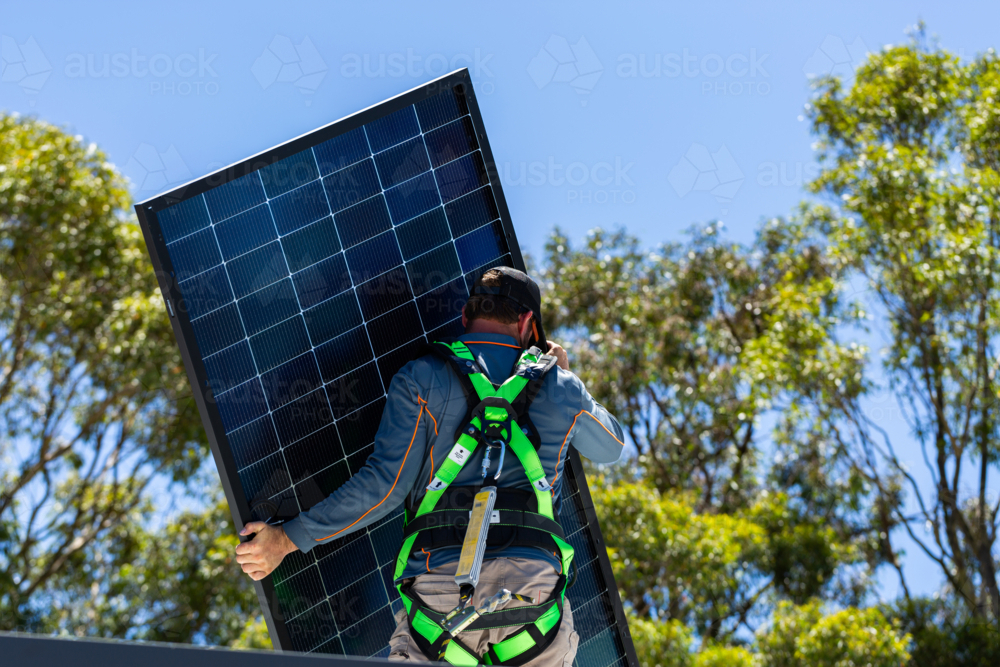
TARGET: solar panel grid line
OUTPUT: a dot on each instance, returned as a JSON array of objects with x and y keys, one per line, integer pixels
[{"x": 331, "y": 260}]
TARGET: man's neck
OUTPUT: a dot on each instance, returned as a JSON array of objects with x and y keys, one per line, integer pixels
[{"x": 491, "y": 327}]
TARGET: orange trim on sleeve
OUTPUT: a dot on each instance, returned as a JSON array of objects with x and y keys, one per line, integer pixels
[
  {"x": 489, "y": 342},
  {"x": 428, "y": 559},
  {"x": 416, "y": 427},
  {"x": 432, "y": 418},
  {"x": 566, "y": 438}
]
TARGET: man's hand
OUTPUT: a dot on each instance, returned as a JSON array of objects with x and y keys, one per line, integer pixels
[
  {"x": 261, "y": 555},
  {"x": 556, "y": 350}
]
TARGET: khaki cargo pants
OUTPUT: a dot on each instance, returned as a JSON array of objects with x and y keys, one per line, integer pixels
[{"x": 529, "y": 577}]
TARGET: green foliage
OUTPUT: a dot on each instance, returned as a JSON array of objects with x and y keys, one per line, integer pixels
[
  {"x": 665, "y": 644},
  {"x": 723, "y": 656},
  {"x": 95, "y": 406},
  {"x": 804, "y": 637},
  {"x": 693, "y": 346},
  {"x": 173, "y": 584},
  {"x": 909, "y": 152},
  {"x": 944, "y": 634}
]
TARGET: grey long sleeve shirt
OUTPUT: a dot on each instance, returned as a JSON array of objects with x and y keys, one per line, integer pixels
[{"x": 425, "y": 406}]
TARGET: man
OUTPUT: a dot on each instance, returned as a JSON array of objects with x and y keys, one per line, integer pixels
[{"x": 431, "y": 402}]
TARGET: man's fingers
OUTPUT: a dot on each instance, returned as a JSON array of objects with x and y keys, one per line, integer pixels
[
  {"x": 253, "y": 527},
  {"x": 246, "y": 548},
  {"x": 258, "y": 575}
]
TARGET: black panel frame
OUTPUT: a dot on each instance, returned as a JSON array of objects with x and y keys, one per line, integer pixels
[{"x": 147, "y": 211}]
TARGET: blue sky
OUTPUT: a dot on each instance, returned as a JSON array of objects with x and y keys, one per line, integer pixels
[{"x": 650, "y": 116}]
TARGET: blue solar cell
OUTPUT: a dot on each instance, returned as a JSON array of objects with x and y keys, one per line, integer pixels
[
  {"x": 183, "y": 218},
  {"x": 218, "y": 330},
  {"x": 367, "y": 636},
  {"x": 346, "y": 351},
  {"x": 301, "y": 592},
  {"x": 451, "y": 141},
  {"x": 335, "y": 576},
  {"x": 359, "y": 600},
  {"x": 288, "y": 174},
  {"x": 289, "y": 381},
  {"x": 423, "y": 233},
  {"x": 316, "y": 488},
  {"x": 386, "y": 539},
  {"x": 484, "y": 245},
  {"x": 299, "y": 207},
  {"x": 349, "y": 186},
  {"x": 256, "y": 269},
  {"x": 230, "y": 367},
  {"x": 440, "y": 109},
  {"x": 205, "y": 293},
  {"x": 363, "y": 221},
  {"x": 443, "y": 304},
  {"x": 391, "y": 362},
  {"x": 357, "y": 430},
  {"x": 310, "y": 244},
  {"x": 302, "y": 416},
  {"x": 194, "y": 254},
  {"x": 373, "y": 257},
  {"x": 314, "y": 453},
  {"x": 245, "y": 231},
  {"x": 333, "y": 317},
  {"x": 280, "y": 343},
  {"x": 234, "y": 197},
  {"x": 253, "y": 442},
  {"x": 389, "y": 331},
  {"x": 341, "y": 151},
  {"x": 403, "y": 162},
  {"x": 322, "y": 280},
  {"x": 384, "y": 293},
  {"x": 265, "y": 308},
  {"x": 471, "y": 211},
  {"x": 412, "y": 198},
  {"x": 461, "y": 176},
  {"x": 354, "y": 390},
  {"x": 433, "y": 268},
  {"x": 264, "y": 477},
  {"x": 392, "y": 129},
  {"x": 241, "y": 405}
]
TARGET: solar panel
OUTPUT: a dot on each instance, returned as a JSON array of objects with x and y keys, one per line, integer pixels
[{"x": 298, "y": 282}]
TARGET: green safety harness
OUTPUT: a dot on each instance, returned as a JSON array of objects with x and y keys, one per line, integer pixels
[{"x": 522, "y": 518}]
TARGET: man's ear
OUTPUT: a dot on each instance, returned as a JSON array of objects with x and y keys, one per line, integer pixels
[
  {"x": 524, "y": 327},
  {"x": 465, "y": 320}
]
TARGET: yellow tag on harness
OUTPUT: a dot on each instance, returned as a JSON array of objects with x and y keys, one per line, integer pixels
[{"x": 470, "y": 562}]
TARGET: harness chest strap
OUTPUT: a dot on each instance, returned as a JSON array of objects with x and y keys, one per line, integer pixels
[{"x": 540, "y": 622}]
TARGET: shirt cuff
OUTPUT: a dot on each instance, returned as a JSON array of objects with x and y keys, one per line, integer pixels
[{"x": 296, "y": 532}]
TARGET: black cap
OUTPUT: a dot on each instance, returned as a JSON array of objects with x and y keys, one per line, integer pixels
[{"x": 523, "y": 291}]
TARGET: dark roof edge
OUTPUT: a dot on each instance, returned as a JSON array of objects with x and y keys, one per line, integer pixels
[{"x": 42, "y": 651}]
